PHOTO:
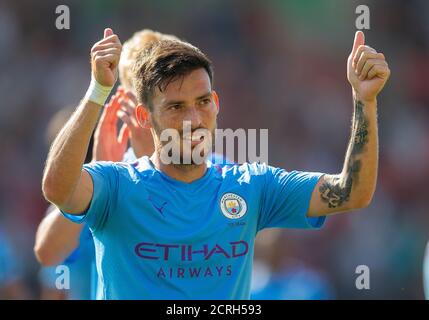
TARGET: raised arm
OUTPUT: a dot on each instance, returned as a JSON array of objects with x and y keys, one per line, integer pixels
[
  {"x": 353, "y": 188},
  {"x": 65, "y": 183}
]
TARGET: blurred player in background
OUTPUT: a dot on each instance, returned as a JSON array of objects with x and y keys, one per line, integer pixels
[
  {"x": 59, "y": 241},
  {"x": 163, "y": 230}
]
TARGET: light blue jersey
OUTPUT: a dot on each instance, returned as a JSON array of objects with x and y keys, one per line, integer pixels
[
  {"x": 82, "y": 273},
  {"x": 159, "y": 238}
]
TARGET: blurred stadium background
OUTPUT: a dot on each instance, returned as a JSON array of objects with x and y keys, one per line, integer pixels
[{"x": 279, "y": 64}]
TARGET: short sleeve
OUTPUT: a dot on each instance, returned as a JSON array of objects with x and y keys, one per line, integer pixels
[
  {"x": 105, "y": 181},
  {"x": 286, "y": 199}
]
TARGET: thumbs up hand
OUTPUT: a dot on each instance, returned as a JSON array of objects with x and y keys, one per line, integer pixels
[
  {"x": 367, "y": 70},
  {"x": 105, "y": 56}
]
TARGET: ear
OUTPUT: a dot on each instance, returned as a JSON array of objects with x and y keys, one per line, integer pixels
[
  {"x": 142, "y": 116},
  {"x": 216, "y": 100}
]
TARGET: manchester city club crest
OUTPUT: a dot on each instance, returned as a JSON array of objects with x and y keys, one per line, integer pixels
[{"x": 233, "y": 206}]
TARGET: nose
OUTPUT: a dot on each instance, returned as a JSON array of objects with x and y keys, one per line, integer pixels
[{"x": 194, "y": 116}]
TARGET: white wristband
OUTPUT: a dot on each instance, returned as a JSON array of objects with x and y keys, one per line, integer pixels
[{"x": 97, "y": 93}]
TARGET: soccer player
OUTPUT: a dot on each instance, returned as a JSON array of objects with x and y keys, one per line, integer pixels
[
  {"x": 186, "y": 231},
  {"x": 57, "y": 239}
]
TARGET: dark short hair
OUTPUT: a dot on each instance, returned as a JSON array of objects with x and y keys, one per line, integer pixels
[{"x": 163, "y": 62}]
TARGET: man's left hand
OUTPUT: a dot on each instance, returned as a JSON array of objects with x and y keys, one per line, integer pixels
[{"x": 367, "y": 70}]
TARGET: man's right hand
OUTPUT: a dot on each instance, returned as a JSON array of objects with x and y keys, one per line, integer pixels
[
  {"x": 65, "y": 183},
  {"x": 105, "y": 56}
]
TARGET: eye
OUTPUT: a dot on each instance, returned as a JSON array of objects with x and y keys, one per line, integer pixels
[
  {"x": 174, "y": 107},
  {"x": 205, "y": 101}
]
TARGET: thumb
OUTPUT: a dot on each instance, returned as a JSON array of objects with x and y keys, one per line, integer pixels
[
  {"x": 108, "y": 32},
  {"x": 359, "y": 41}
]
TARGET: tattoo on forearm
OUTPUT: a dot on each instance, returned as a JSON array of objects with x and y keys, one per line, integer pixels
[
  {"x": 361, "y": 131},
  {"x": 337, "y": 191}
]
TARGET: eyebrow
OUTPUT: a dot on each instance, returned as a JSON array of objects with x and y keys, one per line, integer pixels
[{"x": 206, "y": 95}]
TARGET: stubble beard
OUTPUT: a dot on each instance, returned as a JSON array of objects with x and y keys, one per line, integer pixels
[{"x": 181, "y": 166}]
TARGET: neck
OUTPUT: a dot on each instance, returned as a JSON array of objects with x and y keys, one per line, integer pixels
[{"x": 184, "y": 173}]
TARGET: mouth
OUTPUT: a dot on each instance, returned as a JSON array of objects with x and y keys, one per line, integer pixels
[{"x": 194, "y": 139}]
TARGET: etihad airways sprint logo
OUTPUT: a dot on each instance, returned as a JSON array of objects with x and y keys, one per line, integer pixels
[{"x": 179, "y": 253}]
